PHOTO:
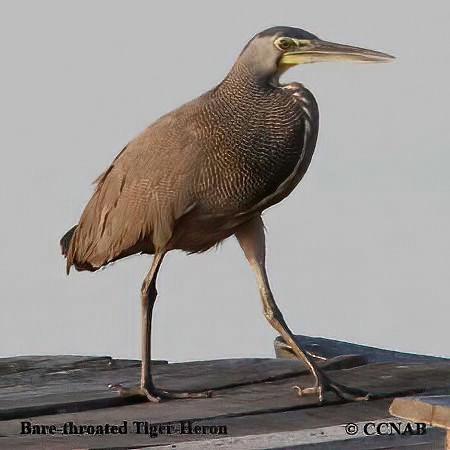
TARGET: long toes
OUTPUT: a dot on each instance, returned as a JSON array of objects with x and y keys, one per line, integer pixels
[
  {"x": 151, "y": 397},
  {"x": 346, "y": 393},
  {"x": 349, "y": 393},
  {"x": 155, "y": 395},
  {"x": 316, "y": 389},
  {"x": 301, "y": 391},
  {"x": 180, "y": 395},
  {"x": 137, "y": 391}
]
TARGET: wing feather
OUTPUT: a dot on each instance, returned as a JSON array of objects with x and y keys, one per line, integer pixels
[{"x": 139, "y": 197}]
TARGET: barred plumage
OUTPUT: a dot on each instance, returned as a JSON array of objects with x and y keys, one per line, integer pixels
[
  {"x": 208, "y": 166},
  {"x": 205, "y": 172}
]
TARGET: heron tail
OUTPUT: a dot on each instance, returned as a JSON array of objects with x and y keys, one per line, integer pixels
[{"x": 65, "y": 240}]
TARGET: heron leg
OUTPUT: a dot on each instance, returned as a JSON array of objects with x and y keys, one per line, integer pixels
[
  {"x": 251, "y": 238},
  {"x": 147, "y": 388}
]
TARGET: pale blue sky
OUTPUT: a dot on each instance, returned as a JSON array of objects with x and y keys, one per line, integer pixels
[{"x": 360, "y": 251}]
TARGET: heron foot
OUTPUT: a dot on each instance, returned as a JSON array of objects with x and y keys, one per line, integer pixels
[
  {"x": 156, "y": 395},
  {"x": 325, "y": 383}
]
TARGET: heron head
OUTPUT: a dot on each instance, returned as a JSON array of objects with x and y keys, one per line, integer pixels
[{"x": 276, "y": 49}]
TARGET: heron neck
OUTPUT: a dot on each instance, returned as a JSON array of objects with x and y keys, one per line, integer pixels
[{"x": 243, "y": 78}]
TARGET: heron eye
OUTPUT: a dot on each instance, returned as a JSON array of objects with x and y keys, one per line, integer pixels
[{"x": 283, "y": 43}]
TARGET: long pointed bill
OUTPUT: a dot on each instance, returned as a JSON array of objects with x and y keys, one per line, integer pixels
[{"x": 316, "y": 51}]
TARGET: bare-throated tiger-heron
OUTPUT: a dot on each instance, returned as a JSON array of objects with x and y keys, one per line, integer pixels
[{"x": 206, "y": 171}]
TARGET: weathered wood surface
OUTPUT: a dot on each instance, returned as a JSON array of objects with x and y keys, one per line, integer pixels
[
  {"x": 329, "y": 348},
  {"x": 251, "y": 397},
  {"x": 432, "y": 409}
]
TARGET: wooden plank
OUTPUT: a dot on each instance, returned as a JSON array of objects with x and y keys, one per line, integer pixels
[
  {"x": 62, "y": 390},
  {"x": 320, "y": 437},
  {"x": 252, "y": 397},
  {"x": 433, "y": 410},
  {"x": 267, "y": 399},
  {"x": 42, "y": 386},
  {"x": 385, "y": 379},
  {"x": 312, "y": 421},
  {"x": 330, "y": 348}
]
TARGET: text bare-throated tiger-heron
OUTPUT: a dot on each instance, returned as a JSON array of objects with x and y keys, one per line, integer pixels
[{"x": 206, "y": 171}]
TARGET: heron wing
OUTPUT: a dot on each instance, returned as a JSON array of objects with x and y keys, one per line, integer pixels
[{"x": 140, "y": 196}]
